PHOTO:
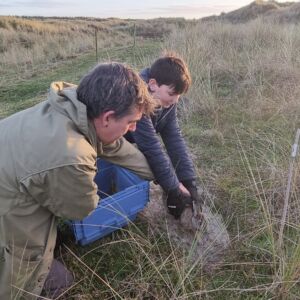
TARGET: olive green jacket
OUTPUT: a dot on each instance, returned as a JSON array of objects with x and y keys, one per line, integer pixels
[{"x": 47, "y": 167}]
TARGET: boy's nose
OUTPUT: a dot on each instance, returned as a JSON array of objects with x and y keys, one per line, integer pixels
[{"x": 132, "y": 127}]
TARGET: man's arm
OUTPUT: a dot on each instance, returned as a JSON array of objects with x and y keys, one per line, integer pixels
[
  {"x": 122, "y": 153},
  {"x": 68, "y": 191}
]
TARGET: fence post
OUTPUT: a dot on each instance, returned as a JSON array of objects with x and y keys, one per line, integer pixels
[
  {"x": 288, "y": 189},
  {"x": 134, "y": 35},
  {"x": 96, "y": 45}
]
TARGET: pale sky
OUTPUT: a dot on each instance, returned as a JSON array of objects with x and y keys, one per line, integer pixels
[{"x": 138, "y": 9}]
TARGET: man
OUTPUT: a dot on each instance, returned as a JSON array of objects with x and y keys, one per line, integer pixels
[
  {"x": 47, "y": 167},
  {"x": 167, "y": 79}
]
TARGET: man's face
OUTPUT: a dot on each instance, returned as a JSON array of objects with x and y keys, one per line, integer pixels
[
  {"x": 109, "y": 128},
  {"x": 163, "y": 93}
]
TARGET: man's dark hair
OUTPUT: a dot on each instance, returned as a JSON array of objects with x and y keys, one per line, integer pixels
[
  {"x": 114, "y": 86},
  {"x": 171, "y": 70}
]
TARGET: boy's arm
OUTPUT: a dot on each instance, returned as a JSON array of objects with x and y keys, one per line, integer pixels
[
  {"x": 149, "y": 143},
  {"x": 177, "y": 148},
  {"x": 147, "y": 140},
  {"x": 181, "y": 158}
]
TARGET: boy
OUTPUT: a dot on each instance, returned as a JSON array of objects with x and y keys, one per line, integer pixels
[{"x": 167, "y": 79}]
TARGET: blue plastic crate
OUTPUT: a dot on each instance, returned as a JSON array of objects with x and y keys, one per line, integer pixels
[{"x": 123, "y": 194}]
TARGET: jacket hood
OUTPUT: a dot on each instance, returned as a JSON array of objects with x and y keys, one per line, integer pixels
[
  {"x": 144, "y": 74},
  {"x": 63, "y": 98}
]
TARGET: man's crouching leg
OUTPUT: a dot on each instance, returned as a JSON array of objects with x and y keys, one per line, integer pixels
[{"x": 58, "y": 280}]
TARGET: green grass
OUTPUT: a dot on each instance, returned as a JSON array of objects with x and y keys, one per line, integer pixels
[
  {"x": 18, "y": 93},
  {"x": 132, "y": 263},
  {"x": 243, "y": 161}
]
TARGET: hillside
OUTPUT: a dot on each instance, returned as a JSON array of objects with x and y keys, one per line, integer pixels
[
  {"x": 290, "y": 14},
  {"x": 270, "y": 10}
]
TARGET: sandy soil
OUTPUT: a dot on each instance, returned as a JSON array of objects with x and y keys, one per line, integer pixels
[{"x": 204, "y": 243}]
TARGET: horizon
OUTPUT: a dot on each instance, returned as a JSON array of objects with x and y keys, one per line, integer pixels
[{"x": 132, "y": 9}]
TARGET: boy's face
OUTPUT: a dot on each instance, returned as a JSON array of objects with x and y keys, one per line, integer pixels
[{"x": 163, "y": 93}]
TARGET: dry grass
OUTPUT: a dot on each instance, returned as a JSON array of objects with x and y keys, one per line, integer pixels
[
  {"x": 31, "y": 42},
  {"x": 240, "y": 118},
  {"x": 42, "y": 40},
  {"x": 246, "y": 90},
  {"x": 255, "y": 64}
]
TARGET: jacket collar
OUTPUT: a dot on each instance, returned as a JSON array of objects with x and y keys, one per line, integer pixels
[
  {"x": 63, "y": 98},
  {"x": 145, "y": 74}
]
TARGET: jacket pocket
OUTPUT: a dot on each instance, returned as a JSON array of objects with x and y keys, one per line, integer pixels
[
  {"x": 1, "y": 254},
  {"x": 26, "y": 253},
  {"x": 21, "y": 270}
]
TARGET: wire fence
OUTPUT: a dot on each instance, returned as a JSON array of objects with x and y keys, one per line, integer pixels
[
  {"x": 10, "y": 72},
  {"x": 24, "y": 85}
]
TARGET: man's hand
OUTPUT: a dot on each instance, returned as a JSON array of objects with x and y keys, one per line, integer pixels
[{"x": 177, "y": 201}]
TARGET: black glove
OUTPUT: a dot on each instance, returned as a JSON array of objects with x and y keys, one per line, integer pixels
[
  {"x": 192, "y": 188},
  {"x": 177, "y": 201}
]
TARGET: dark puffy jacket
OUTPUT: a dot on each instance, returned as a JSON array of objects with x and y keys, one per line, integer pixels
[{"x": 175, "y": 165}]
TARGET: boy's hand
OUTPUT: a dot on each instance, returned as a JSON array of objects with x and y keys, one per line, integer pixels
[
  {"x": 184, "y": 190},
  {"x": 177, "y": 201},
  {"x": 192, "y": 188}
]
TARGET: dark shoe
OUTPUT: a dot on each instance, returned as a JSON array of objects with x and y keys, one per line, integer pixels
[{"x": 58, "y": 280}]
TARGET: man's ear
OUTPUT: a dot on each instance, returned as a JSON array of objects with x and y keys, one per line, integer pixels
[
  {"x": 152, "y": 83},
  {"x": 104, "y": 119}
]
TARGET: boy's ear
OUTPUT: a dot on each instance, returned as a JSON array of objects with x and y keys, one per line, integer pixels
[{"x": 152, "y": 84}]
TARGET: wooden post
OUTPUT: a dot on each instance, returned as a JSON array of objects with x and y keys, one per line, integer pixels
[
  {"x": 134, "y": 35},
  {"x": 288, "y": 189},
  {"x": 96, "y": 45}
]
